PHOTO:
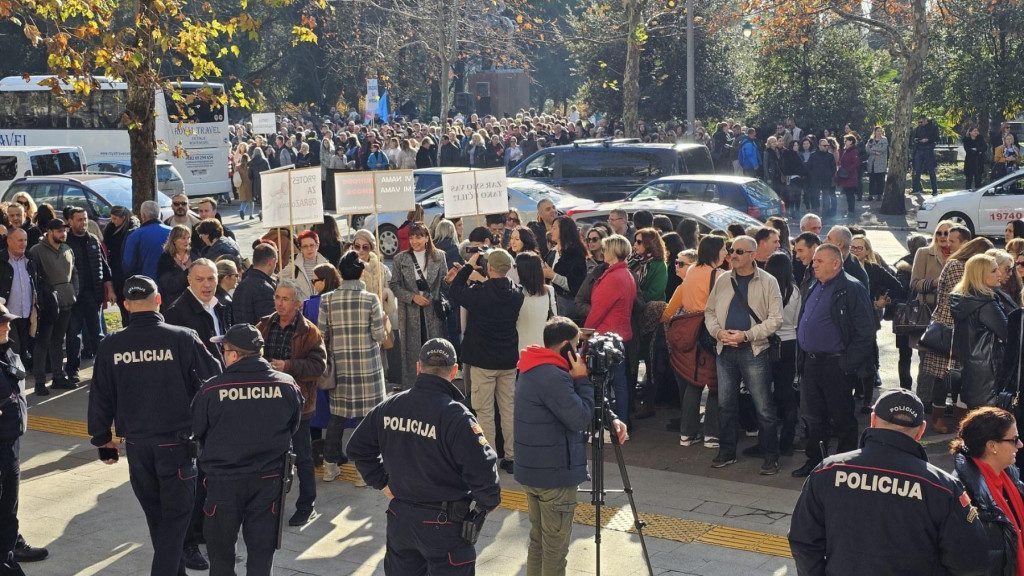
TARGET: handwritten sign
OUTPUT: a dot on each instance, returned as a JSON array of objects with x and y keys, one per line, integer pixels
[
  {"x": 303, "y": 204},
  {"x": 491, "y": 191},
  {"x": 264, "y": 123},
  {"x": 396, "y": 190},
  {"x": 353, "y": 192},
  {"x": 459, "y": 194}
]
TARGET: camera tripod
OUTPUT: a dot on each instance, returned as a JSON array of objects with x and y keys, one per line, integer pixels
[{"x": 602, "y": 422}]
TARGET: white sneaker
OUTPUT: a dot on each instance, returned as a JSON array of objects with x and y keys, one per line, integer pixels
[
  {"x": 689, "y": 440},
  {"x": 711, "y": 442},
  {"x": 331, "y": 471}
]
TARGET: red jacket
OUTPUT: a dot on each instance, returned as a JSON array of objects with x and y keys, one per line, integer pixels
[{"x": 611, "y": 302}]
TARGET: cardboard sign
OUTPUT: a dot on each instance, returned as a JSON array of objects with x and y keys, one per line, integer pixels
[
  {"x": 491, "y": 191},
  {"x": 353, "y": 192},
  {"x": 264, "y": 123},
  {"x": 459, "y": 194},
  {"x": 396, "y": 190},
  {"x": 302, "y": 204}
]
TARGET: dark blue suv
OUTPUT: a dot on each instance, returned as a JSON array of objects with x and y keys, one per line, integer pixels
[{"x": 748, "y": 195}]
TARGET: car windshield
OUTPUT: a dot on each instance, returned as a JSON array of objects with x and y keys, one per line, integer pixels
[
  {"x": 424, "y": 183},
  {"x": 654, "y": 191},
  {"x": 721, "y": 219},
  {"x": 118, "y": 191},
  {"x": 537, "y": 191},
  {"x": 760, "y": 192}
]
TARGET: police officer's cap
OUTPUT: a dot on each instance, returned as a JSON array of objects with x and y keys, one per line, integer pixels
[
  {"x": 438, "y": 352},
  {"x": 242, "y": 336},
  {"x": 139, "y": 287},
  {"x": 900, "y": 407}
]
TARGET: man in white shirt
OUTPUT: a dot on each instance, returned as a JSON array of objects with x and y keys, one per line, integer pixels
[{"x": 16, "y": 288}]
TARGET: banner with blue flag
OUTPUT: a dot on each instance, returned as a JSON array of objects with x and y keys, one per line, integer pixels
[{"x": 382, "y": 107}]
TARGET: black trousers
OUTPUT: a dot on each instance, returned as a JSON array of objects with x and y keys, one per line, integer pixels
[
  {"x": 50, "y": 346},
  {"x": 826, "y": 405},
  {"x": 302, "y": 445},
  {"x": 83, "y": 328},
  {"x": 10, "y": 473},
  {"x": 784, "y": 395},
  {"x": 21, "y": 341},
  {"x": 194, "y": 534},
  {"x": 163, "y": 478},
  {"x": 249, "y": 502},
  {"x": 418, "y": 543},
  {"x": 876, "y": 184}
]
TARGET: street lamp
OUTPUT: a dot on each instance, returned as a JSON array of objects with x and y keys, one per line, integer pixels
[{"x": 748, "y": 29}]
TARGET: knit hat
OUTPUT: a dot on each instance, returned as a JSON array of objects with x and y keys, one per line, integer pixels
[{"x": 366, "y": 236}]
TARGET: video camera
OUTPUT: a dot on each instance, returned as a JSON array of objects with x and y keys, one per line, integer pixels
[
  {"x": 483, "y": 250},
  {"x": 603, "y": 351}
]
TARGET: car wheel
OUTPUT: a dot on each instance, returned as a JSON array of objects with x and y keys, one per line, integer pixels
[
  {"x": 357, "y": 221},
  {"x": 960, "y": 218},
  {"x": 387, "y": 239}
]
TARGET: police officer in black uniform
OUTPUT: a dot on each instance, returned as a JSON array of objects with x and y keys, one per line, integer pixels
[
  {"x": 245, "y": 419},
  {"x": 424, "y": 448},
  {"x": 13, "y": 419},
  {"x": 143, "y": 381},
  {"x": 884, "y": 509}
]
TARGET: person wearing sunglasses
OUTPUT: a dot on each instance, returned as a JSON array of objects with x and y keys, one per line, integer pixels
[
  {"x": 179, "y": 204},
  {"x": 985, "y": 452},
  {"x": 889, "y": 487},
  {"x": 735, "y": 299},
  {"x": 300, "y": 269}
]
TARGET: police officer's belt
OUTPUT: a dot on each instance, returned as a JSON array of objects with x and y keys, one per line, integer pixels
[{"x": 455, "y": 510}]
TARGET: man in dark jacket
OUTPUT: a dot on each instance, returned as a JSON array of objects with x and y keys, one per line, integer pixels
[
  {"x": 254, "y": 296},
  {"x": 17, "y": 288},
  {"x": 887, "y": 487},
  {"x": 554, "y": 411},
  {"x": 821, "y": 169},
  {"x": 490, "y": 345},
  {"x": 924, "y": 139},
  {"x": 144, "y": 379},
  {"x": 198, "y": 308},
  {"x": 425, "y": 450},
  {"x": 841, "y": 237},
  {"x": 450, "y": 154},
  {"x": 836, "y": 331},
  {"x": 95, "y": 285},
  {"x": 245, "y": 419}
]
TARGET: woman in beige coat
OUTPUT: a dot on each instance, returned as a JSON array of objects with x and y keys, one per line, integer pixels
[{"x": 924, "y": 281}]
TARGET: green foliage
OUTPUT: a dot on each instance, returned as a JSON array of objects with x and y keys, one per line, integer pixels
[
  {"x": 599, "y": 57},
  {"x": 829, "y": 80},
  {"x": 973, "y": 73}
]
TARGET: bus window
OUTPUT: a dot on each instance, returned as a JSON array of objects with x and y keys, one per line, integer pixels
[
  {"x": 199, "y": 111},
  {"x": 8, "y": 167}
]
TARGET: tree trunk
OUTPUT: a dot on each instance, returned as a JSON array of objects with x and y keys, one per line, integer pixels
[
  {"x": 631, "y": 75},
  {"x": 894, "y": 199},
  {"x": 139, "y": 109}
]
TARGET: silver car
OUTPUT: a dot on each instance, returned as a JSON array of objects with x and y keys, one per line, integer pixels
[
  {"x": 709, "y": 215},
  {"x": 167, "y": 176},
  {"x": 523, "y": 195}
]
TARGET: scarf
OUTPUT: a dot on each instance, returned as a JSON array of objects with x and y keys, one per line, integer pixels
[
  {"x": 1000, "y": 485},
  {"x": 639, "y": 265}
]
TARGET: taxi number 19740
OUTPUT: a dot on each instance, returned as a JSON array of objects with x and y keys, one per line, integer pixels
[{"x": 1005, "y": 215}]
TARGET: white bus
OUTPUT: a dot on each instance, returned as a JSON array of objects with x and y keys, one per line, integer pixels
[{"x": 196, "y": 142}]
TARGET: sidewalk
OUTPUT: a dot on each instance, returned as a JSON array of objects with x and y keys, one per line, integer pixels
[{"x": 86, "y": 513}]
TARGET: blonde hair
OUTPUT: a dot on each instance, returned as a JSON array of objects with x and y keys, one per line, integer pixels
[
  {"x": 616, "y": 245},
  {"x": 1015, "y": 247},
  {"x": 177, "y": 232},
  {"x": 869, "y": 252},
  {"x": 1003, "y": 258},
  {"x": 947, "y": 223},
  {"x": 973, "y": 281}
]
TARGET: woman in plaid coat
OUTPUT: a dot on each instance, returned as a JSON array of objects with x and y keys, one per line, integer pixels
[
  {"x": 353, "y": 327},
  {"x": 935, "y": 364}
]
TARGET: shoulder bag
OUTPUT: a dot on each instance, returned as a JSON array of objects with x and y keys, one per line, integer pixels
[
  {"x": 911, "y": 316},
  {"x": 705, "y": 339},
  {"x": 1007, "y": 397},
  {"x": 953, "y": 375},
  {"x": 442, "y": 306},
  {"x": 327, "y": 381},
  {"x": 774, "y": 342},
  {"x": 937, "y": 338}
]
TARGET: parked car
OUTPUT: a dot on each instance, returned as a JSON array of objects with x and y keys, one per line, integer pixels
[
  {"x": 97, "y": 193},
  {"x": 19, "y": 161},
  {"x": 709, "y": 216},
  {"x": 167, "y": 176},
  {"x": 984, "y": 211},
  {"x": 607, "y": 169},
  {"x": 523, "y": 195},
  {"x": 743, "y": 193}
]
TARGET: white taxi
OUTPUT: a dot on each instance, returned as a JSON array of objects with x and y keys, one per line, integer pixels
[{"x": 984, "y": 211}]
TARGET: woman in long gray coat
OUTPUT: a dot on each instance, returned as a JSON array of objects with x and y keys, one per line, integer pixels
[
  {"x": 353, "y": 327},
  {"x": 877, "y": 148},
  {"x": 416, "y": 281}
]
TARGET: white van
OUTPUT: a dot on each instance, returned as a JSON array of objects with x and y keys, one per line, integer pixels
[{"x": 18, "y": 161}]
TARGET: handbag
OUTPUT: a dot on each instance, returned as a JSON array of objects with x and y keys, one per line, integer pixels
[
  {"x": 327, "y": 381},
  {"x": 705, "y": 340},
  {"x": 389, "y": 335},
  {"x": 442, "y": 305},
  {"x": 911, "y": 316},
  {"x": 774, "y": 342},
  {"x": 937, "y": 338},
  {"x": 1007, "y": 397}
]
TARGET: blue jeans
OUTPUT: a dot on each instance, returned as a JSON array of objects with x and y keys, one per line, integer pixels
[
  {"x": 245, "y": 208},
  {"x": 739, "y": 364}
]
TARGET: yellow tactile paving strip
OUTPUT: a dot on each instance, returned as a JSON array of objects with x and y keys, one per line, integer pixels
[{"x": 612, "y": 517}]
